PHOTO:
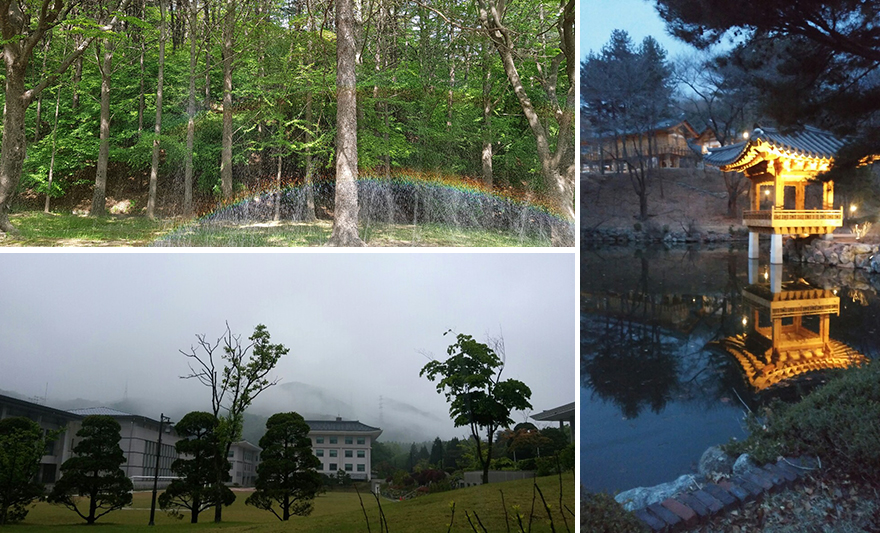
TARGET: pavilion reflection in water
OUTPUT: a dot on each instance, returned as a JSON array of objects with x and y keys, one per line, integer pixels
[{"x": 787, "y": 331}]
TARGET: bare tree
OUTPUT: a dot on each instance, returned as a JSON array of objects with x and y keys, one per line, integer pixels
[{"x": 234, "y": 385}]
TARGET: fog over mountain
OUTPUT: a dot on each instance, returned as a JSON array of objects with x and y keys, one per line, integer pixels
[{"x": 107, "y": 329}]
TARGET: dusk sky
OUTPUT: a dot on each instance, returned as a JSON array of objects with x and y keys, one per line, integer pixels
[{"x": 103, "y": 326}]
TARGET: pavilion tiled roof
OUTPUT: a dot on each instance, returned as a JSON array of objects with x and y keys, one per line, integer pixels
[{"x": 811, "y": 143}]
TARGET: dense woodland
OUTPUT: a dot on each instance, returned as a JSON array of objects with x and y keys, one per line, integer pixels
[{"x": 197, "y": 102}]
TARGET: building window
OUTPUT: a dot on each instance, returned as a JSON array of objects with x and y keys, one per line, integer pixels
[
  {"x": 362, "y": 454},
  {"x": 360, "y": 468},
  {"x": 321, "y": 466},
  {"x": 333, "y": 453},
  {"x": 362, "y": 440},
  {"x": 332, "y": 440},
  {"x": 348, "y": 467},
  {"x": 231, "y": 453},
  {"x": 319, "y": 440},
  {"x": 332, "y": 466},
  {"x": 348, "y": 453},
  {"x": 319, "y": 453},
  {"x": 348, "y": 440}
]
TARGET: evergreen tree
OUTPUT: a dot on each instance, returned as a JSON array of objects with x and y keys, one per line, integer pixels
[
  {"x": 287, "y": 474},
  {"x": 21, "y": 448},
  {"x": 195, "y": 488},
  {"x": 436, "y": 459},
  {"x": 94, "y": 471}
]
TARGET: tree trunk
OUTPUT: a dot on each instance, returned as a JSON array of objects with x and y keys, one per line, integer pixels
[
  {"x": 345, "y": 216},
  {"x": 277, "y": 216},
  {"x": 160, "y": 78},
  {"x": 486, "y": 155},
  {"x": 52, "y": 159},
  {"x": 141, "y": 99},
  {"x": 99, "y": 196},
  {"x": 308, "y": 185},
  {"x": 557, "y": 168},
  {"x": 191, "y": 116},
  {"x": 13, "y": 145},
  {"x": 40, "y": 98},
  {"x": 226, "y": 149}
]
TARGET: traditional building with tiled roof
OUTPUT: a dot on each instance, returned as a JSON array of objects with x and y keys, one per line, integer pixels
[{"x": 775, "y": 160}]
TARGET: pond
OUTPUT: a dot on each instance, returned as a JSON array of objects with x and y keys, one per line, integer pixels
[{"x": 677, "y": 345}]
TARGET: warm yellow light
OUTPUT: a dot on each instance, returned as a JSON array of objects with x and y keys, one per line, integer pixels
[
  {"x": 766, "y": 275},
  {"x": 745, "y": 135},
  {"x": 766, "y": 192},
  {"x": 852, "y": 208},
  {"x": 745, "y": 321}
]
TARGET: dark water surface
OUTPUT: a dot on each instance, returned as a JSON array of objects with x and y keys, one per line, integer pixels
[{"x": 660, "y": 382}]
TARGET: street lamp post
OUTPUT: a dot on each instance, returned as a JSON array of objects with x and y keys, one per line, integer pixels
[{"x": 162, "y": 420}]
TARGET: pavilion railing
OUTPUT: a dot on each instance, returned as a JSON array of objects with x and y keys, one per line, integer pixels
[{"x": 835, "y": 216}]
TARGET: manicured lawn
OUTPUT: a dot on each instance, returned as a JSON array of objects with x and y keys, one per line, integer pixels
[
  {"x": 341, "y": 512},
  {"x": 41, "y": 229}
]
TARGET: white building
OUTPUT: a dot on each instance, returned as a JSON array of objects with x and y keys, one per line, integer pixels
[
  {"x": 49, "y": 419},
  {"x": 343, "y": 445},
  {"x": 244, "y": 458},
  {"x": 139, "y": 441}
]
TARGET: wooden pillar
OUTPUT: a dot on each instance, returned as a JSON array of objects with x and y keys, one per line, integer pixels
[
  {"x": 799, "y": 195},
  {"x": 756, "y": 196},
  {"x": 779, "y": 189},
  {"x": 828, "y": 195},
  {"x": 823, "y": 327}
]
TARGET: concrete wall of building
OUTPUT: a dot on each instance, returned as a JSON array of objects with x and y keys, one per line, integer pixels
[{"x": 324, "y": 448}]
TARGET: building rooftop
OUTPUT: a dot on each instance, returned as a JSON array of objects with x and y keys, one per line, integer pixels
[
  {"x": 563, "y": 412},
  {"x": 38, "y": 407},
  {"x": 348, "y": 426},
  {"x": 89, "y": 411},
  {"x": 810, "y": 143}
]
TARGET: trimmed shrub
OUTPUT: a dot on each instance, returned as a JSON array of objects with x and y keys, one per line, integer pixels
[
  {"x": 600, "y": 513},
  {"x": 839, "y": 422}
]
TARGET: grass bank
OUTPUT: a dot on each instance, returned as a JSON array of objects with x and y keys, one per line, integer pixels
[
  {"x": 341, "y": 512},
  {"x": 53, "y": 229}
]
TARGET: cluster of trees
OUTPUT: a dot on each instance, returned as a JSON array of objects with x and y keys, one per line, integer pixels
[
  {"x": 92, "y": 484},
  {"x": 215, "y": 96},
  {"x": 523, "y": 442},
  {"x": 792, "y": 65},
  {"x": 287, "y": 477}
]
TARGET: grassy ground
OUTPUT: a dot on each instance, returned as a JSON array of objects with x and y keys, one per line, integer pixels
[
  {"x": 41, "y": 229},
  {"x": 341, "y": 512}
]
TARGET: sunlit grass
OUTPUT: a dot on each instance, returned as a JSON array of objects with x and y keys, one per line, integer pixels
[
  {"x": 41, "y": 229},
  {"x": 341, "y": 512}
]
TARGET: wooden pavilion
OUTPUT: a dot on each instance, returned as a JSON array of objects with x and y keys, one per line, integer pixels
[
  {"x": 777, "y": 161},
  {"x": 787, "y": 334}
]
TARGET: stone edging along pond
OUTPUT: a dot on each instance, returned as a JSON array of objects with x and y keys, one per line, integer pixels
[
  {"x": 855, "y": 255},
  {"x": 722, "y": 485}
]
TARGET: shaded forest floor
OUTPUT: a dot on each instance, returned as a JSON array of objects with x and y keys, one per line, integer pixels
[{"x": 54, "y": 229}]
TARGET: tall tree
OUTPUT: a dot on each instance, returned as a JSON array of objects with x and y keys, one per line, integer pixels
[
  {"x": 23, "y": 25},
  {"x": 436, "y": 458},
  {"x": 198, "y": 452},
  {"x": 625, "y": 93},
  {"x": 557, "y": 163},
  {"x": 234, "y": 386},
  {"x": 21, "y": 448},
  {"x": 825, "y": 59},
  {"x": 160, "y": 80},
  {"x": 345, "y": 215},
  {"x": 99, "y": 195},
  {"x": 478, "y": 398},
  {"x": 94, "y": 471},
  {"x": 287, "y": 475}
]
